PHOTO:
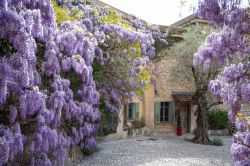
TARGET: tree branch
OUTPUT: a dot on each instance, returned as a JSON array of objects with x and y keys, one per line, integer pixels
[
  {"x": 213, "y": 104},
  {"x": 209, "y": 75},
  {"x": 241, "y": 142}
]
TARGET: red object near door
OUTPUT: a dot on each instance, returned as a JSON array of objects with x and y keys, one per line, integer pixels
[{"x": 179, "y": 131}]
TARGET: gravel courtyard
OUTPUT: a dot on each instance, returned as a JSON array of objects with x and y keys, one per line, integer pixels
[{"x": 159, "y": 151}]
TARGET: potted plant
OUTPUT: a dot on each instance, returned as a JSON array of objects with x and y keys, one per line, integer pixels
[{"x": 178, "y": 120}]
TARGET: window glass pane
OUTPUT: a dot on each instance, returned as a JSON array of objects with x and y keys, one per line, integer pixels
[
  {"x": 164, "y": 112},
  {"x": 166, "y": 118},
  {"x": 133, "y": 111},
  {"x": 161, "y": 119},
  {"x": 130, "y": 111}
]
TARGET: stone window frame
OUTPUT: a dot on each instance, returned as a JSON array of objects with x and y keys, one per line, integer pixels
[
  {"x": 135, "y": 111},
  {"x": 171, "y": 112},
  {"x": 158, "y": 118}
]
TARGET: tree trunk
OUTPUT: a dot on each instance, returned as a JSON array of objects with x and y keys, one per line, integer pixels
[{"x": 201, "y": 133}]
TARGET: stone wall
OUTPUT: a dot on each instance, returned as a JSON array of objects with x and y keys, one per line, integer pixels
[
  {"x": 137, "y": 132},
  {"x": 223, "y": 132},
  {"x": 171, "y": 77},
  {"x": 166, "y": 82}
]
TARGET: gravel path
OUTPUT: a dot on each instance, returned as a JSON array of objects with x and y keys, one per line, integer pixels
[{"x": 165, "y": 151}]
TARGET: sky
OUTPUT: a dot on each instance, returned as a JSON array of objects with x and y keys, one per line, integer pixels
[{"x": 161, "y": 12}]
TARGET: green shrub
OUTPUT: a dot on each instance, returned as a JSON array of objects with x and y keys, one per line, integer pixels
[
  {"x": 108, "y": 123},
  {"x": 89, "y": 152},
  {"x": 104, "y": 130},
  {"x": 217, "y": 142},
  {"x": 217, "y": 119},
  {"x": 137, "y": 124}
]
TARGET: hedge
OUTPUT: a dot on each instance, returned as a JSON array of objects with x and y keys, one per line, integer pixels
[{"x": 217, "y": 119}]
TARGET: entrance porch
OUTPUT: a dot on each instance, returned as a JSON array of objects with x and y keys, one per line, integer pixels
[{"x": 183, "y": 103}]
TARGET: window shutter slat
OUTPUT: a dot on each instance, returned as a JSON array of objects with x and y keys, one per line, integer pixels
[
  {"x": 133, "y": 111},
  {"x": 157, "y": 112},
  {"x": 172, "y": 112},
  {"x": 137, "y": 110}
]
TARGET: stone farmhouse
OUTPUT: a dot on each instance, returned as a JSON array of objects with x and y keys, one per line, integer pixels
[{"x": 156, "y": 109}]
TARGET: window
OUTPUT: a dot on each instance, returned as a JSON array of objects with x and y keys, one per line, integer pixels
[
  {"x": 164, "y": 112},
  {"x": 132, "y": 111}
]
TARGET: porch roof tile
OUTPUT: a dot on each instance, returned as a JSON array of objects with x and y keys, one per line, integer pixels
[{"x": 182, "y": 95}]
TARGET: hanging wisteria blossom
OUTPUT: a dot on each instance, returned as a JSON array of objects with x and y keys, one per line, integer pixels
[
  {"x": 48, "y": 96},
  {"x": 230, "y": 48}
]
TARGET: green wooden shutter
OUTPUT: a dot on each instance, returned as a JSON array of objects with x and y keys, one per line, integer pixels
[
  {"x": 126, "y": 107},
  {"x": 157, "y": 112},
  {"x": 171, "y": 112},
  {"x": 137, "y": 110},
  {"x": 133, "y": 111}
]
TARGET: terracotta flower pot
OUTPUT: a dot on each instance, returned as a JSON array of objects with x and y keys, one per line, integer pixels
[{"x": 179, "y": 131}]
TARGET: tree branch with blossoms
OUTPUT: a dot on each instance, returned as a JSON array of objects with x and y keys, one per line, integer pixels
[{"x": 230, "y": 48}]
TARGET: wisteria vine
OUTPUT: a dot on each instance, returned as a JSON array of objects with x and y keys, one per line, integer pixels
[
  {"x": 230, "y": 47},
  {"x": 125, "y": 46},
  {"x": 49, "y": 99}
]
